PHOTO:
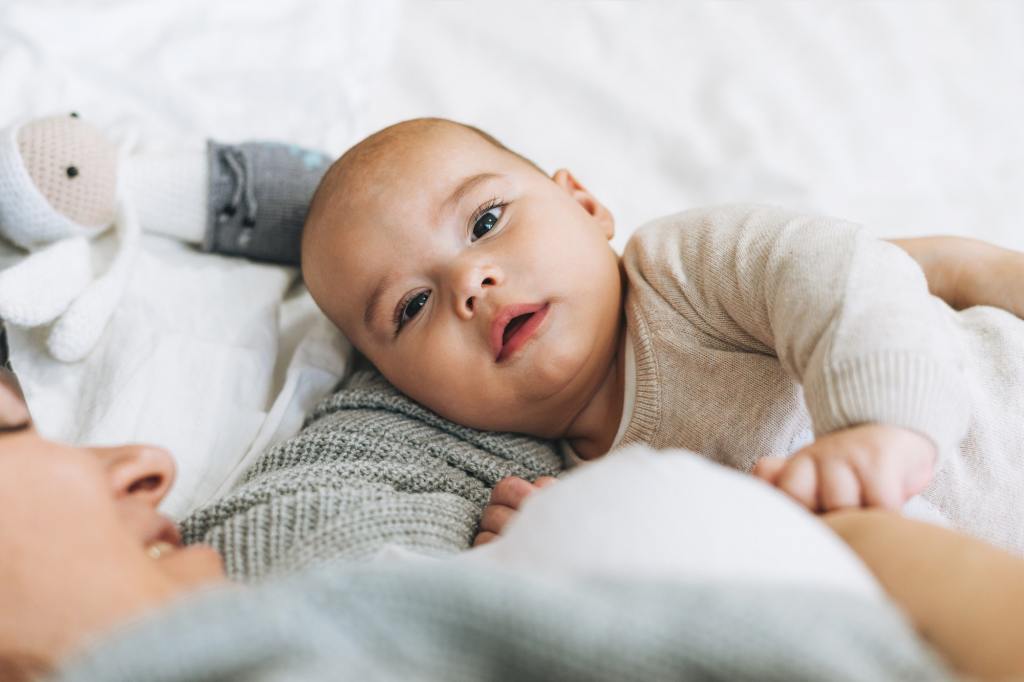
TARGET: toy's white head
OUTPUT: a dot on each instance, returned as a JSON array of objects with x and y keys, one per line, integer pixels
[{"x": 58, "y": 179}]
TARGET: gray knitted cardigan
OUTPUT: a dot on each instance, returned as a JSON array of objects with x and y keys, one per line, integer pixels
[{"x": 370, "y": 468}]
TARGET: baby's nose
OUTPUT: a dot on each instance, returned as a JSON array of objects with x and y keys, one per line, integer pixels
[{"x": 467, "y": 303}]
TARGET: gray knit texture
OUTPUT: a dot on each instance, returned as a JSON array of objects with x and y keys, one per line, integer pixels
[
  {"x": 448, "y": 622},
  {"x": 370, "y": 468}
]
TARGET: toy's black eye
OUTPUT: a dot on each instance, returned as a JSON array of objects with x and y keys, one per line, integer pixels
[
  {"x": 72, "y": 171},
  {"x": 74, "y": 114}
]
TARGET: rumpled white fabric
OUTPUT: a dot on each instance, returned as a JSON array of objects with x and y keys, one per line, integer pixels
[
  {"x": 902, "y": 116},
  {"x": 673, "y": 515},
  {"x": 210, "y": 357}
]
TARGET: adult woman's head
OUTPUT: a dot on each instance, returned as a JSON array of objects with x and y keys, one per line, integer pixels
[{"x": 82, "y": 546}]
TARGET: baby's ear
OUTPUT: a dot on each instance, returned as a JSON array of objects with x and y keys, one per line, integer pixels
[{"x": 564, "y": 179}]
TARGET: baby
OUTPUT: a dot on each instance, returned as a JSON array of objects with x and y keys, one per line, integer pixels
[{"x": 793, "y": 345}]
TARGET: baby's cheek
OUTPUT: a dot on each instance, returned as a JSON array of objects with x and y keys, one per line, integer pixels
[{"x": 461, "y": 396}]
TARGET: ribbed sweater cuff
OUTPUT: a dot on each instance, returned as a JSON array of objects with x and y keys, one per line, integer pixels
[{"x": 896, "y": 388}]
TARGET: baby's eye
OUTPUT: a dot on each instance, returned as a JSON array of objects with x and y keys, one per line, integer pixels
[
  {"x": 486, "y": 222},
  {"x": 413, "y": 307}
]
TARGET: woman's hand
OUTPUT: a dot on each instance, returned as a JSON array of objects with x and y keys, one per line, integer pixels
[
  {"x": 871, "y": 465},
  {"x": 968, "y": 272},
  {"x": 506, "y": 498}
]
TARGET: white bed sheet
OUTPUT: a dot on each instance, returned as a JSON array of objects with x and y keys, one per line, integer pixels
[{"x": 905, "y": 116}]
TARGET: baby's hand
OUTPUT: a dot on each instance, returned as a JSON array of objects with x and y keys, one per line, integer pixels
[
  {"x": 506, "y": 498},
  {"x": 871, "y": 465}
]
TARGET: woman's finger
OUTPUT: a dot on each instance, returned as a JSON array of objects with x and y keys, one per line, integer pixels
[{"x": 545, "y": 481}]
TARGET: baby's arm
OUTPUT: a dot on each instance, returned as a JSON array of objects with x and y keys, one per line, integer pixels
[
  {"x": 505, "y": 501},
  {"x": 847, "y": 315},
  {"x": 881, "y": 466}
]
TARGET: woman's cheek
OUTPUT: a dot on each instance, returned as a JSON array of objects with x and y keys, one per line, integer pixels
[{"x": 193, "y": 566}]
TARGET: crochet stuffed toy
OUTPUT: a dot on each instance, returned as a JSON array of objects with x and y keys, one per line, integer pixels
[{"x": 63, "y": 182}]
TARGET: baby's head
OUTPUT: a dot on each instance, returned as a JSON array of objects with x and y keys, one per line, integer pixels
[{"x": 479, "y": 286}]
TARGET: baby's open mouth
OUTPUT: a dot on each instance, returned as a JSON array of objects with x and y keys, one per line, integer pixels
[
  {"x": 513, "y": 327},
  {"x": 514, "y": 324}
]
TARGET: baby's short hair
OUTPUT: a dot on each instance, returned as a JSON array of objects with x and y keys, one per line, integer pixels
[
  {"x": 372, "y": 149},
  {"x": 373, "y": 146}
]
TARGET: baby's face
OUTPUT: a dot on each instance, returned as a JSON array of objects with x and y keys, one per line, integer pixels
[{"x": 477, "y": 285}]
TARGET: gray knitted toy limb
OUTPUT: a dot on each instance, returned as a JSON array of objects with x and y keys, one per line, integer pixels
[
  {"x": 259, "y": 193},
  {"x": 370, "y": 468}
]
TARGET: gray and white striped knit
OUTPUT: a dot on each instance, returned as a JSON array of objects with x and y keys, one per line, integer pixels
[{"x": 370, "y": 468}]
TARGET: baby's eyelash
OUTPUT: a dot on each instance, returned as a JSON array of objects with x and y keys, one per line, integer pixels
[
  {"x": 492, "y": 203},
  {"x": 396, "y": 317}
]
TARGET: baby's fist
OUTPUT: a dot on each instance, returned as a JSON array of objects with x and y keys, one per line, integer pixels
[{"x": 871, "y": 465}]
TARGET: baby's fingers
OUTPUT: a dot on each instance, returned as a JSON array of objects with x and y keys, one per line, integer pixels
[
  {"x": 838, "y": 485},
  {"x": 769, "y": 468},
  {"x": 495, "y": 517},
  {"x": 883, "y": 488},
  {"x": 484, "y": 537},
  {"x": 511, "y": 491},
  {"x": 799, "y": 480}
]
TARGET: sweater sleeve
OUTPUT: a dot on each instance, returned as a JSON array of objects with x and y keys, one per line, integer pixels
[{"x": 847, "y": 315}]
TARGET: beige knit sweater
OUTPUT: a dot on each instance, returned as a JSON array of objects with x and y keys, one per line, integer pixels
[{"x": 755, "y": 329}]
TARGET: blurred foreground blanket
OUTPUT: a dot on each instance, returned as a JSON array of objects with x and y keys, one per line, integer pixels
[
  {"x": 372, "y": 469},
  {"x": 439, "y": 620}
]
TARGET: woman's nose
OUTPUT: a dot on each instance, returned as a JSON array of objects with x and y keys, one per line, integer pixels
[
  {"x": 471, "y": 286},
  {"x": 142, "y": 472}
]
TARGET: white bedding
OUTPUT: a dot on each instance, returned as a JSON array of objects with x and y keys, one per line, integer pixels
[
  {"x": 673, "y": 516},
  {"x": 905, "y": 116}
]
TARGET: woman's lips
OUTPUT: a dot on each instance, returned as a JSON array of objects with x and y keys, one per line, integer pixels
[
  {"x": 162, "y": 538},
  {"x": 159, "y": 549},
  {"x": 505, "y": 347}
]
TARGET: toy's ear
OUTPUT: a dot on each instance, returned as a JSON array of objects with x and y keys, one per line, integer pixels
[{"x": 74, "y": 167}]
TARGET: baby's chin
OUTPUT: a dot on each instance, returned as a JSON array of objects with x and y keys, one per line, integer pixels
[{"x": 537, "y": 404}]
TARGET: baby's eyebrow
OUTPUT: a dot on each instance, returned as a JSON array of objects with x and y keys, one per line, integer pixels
[
  {"x": 465, "y": 187},
  {"x": 374, "y": 301}
]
